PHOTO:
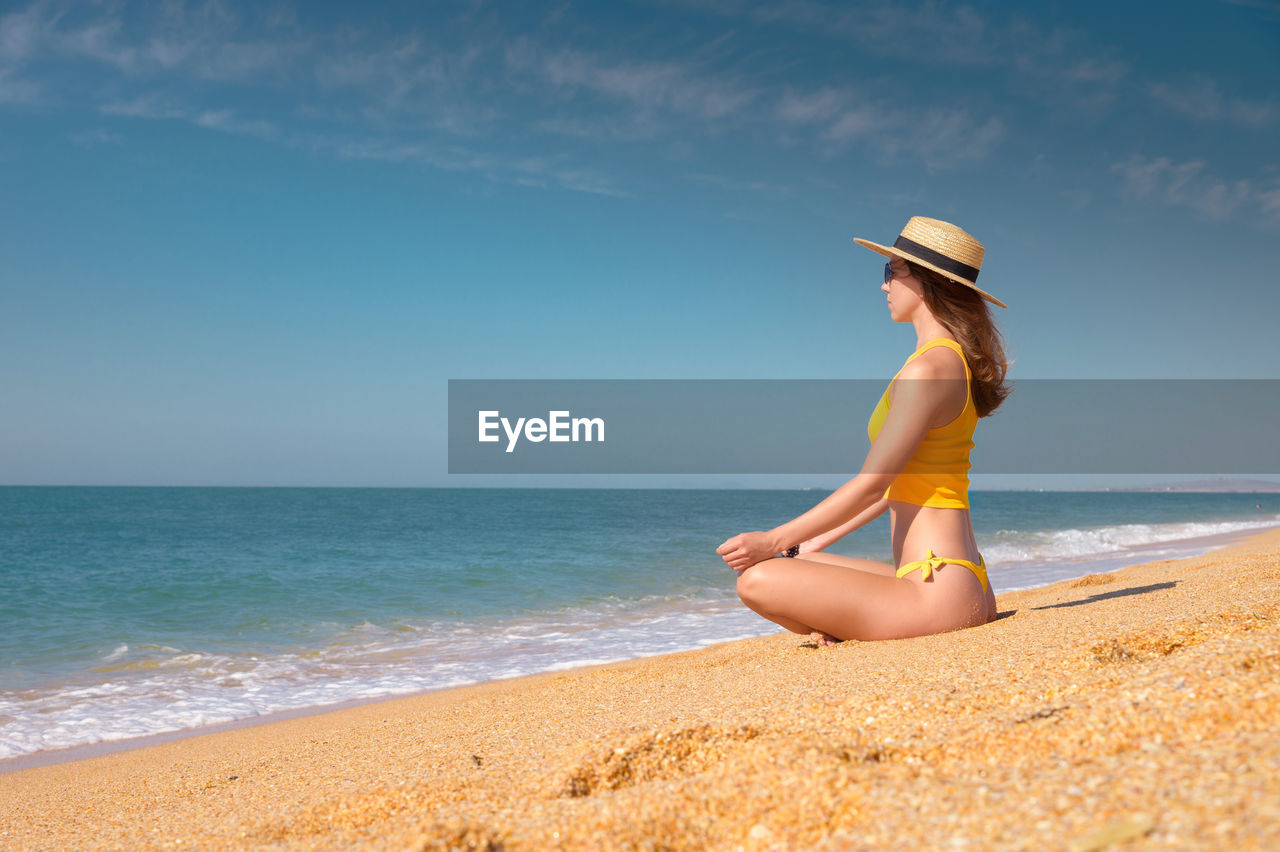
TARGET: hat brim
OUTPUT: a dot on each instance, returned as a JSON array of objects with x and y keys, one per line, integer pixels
[{"x": 890, "y": 251}]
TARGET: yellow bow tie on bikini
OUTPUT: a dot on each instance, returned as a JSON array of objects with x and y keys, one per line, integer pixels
[{"x": 930, "y": 563}]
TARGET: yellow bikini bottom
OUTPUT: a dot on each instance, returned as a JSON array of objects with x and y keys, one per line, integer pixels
[{"x": 927, "y": 566}]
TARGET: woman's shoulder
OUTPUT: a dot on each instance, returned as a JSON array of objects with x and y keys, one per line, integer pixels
[{"x": 937, "y": 359}]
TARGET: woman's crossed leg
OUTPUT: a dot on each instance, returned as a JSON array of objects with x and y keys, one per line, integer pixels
[{"x": 838, "y": 596}]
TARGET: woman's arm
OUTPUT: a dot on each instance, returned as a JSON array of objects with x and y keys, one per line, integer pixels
[
  {"x": 914, "y": 405},
  {"x": 830, "y": 537}
]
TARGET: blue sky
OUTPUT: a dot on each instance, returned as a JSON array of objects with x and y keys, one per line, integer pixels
[{"x": 250, "y": 243}]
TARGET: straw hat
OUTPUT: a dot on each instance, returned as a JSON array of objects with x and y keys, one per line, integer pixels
[{"x": 939, "y": 246}]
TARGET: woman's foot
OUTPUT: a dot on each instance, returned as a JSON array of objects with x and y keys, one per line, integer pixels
[{"x": 822, "y": 639}]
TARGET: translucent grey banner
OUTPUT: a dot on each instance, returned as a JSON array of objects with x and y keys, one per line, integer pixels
[{"x": 1047, "y": 426}]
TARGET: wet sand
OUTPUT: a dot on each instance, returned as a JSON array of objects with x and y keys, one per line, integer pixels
[{"x": 1136, "y": 706}]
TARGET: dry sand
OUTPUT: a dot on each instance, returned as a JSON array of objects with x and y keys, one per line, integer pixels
[{"x": 1140, "y": 707}]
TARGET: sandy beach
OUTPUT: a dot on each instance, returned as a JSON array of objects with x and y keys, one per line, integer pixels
[{"x": 1135, "y": 707}]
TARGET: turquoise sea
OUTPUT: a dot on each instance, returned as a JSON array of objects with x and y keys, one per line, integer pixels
[{"x": 134, "y": 611}]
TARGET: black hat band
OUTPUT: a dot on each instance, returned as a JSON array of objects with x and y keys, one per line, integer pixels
[{"x": 937, "y": 258}]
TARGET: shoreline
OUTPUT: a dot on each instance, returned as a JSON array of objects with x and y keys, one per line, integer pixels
[
  {"x": 107, "y": 748},
  {"x": 1182, "y": 548},
  {"x": 1201, "y": 545},
  {"x": 1137, "y": 703}
]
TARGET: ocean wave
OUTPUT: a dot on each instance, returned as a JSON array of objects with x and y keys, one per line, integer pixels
[
  {"x": 171, "y": 689},
  {"x": 136, "y": 688},
  {"x": 118, "y": 653},
  {"x": 1090, "y": 542}
]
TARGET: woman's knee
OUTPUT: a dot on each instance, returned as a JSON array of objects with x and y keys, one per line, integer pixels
[{"x": 754, "y": 583}]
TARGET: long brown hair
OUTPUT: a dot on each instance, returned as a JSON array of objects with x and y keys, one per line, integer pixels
[{"x": 963, "y": 312}]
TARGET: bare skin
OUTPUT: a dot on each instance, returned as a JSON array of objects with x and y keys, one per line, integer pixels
[{"x": 841, "y": 597}]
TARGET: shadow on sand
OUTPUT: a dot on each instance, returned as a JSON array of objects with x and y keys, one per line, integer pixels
[{"x": 1118, "y": 593}]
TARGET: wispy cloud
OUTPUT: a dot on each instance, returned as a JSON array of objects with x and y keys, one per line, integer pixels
[
  {"x": 677, "y": 87},
  {"x": 944, "y": 138},
  {"x": 493, "y": 167},
  {"x": 939, "y": 137},
  {"x": 554, "y": 172},
  {"x": 732, "y": 184},
  {"x": 15, "y": 90},
  {"x": 1201, "y": 99},
  {"x": 953, "y": 33},
  {"x": 835, "y": 117},
  {"x": 945, "y": 32},
  {"x": 227, "y": 121},
  {"x": 20, "y": 37},
  {"x": 1190, "y": 185},
  {"x": 1039, "y": 67},
  {"x": 935, "y": 32},
  {"x": 629, "y": 128},
  {"x": 809, "y": 107},
  {"x": 1269, "y": 202},
  {"x": 854, "y": 122},
  {"x": 204, "y": 43},
  {"x": 389, "y": 97},
  {"x": 221, "y": 120},
  {"x": 650, "y": 98},
  {"x": 20, "y": 34},
  {"x": 402, "y": 72},
  {"x": 95, "y": 137},
  {"x": 1065, "y": 67},
  {"x": 549, "y": 106},
  {"x": 146, "y": 106},
  {"x": 425, "y": 91}
]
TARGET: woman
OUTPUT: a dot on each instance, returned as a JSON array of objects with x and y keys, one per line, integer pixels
[{"x": 917, "y": 468}]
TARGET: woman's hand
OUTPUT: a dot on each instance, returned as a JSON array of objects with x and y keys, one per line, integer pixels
[{"x": 746, "y": 549}]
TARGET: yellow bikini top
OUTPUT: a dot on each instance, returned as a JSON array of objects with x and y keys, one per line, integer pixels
[{"x": 938, "y": 474}]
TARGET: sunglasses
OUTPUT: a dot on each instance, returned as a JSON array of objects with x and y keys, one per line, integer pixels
[{"x": 889, "y": 273}]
